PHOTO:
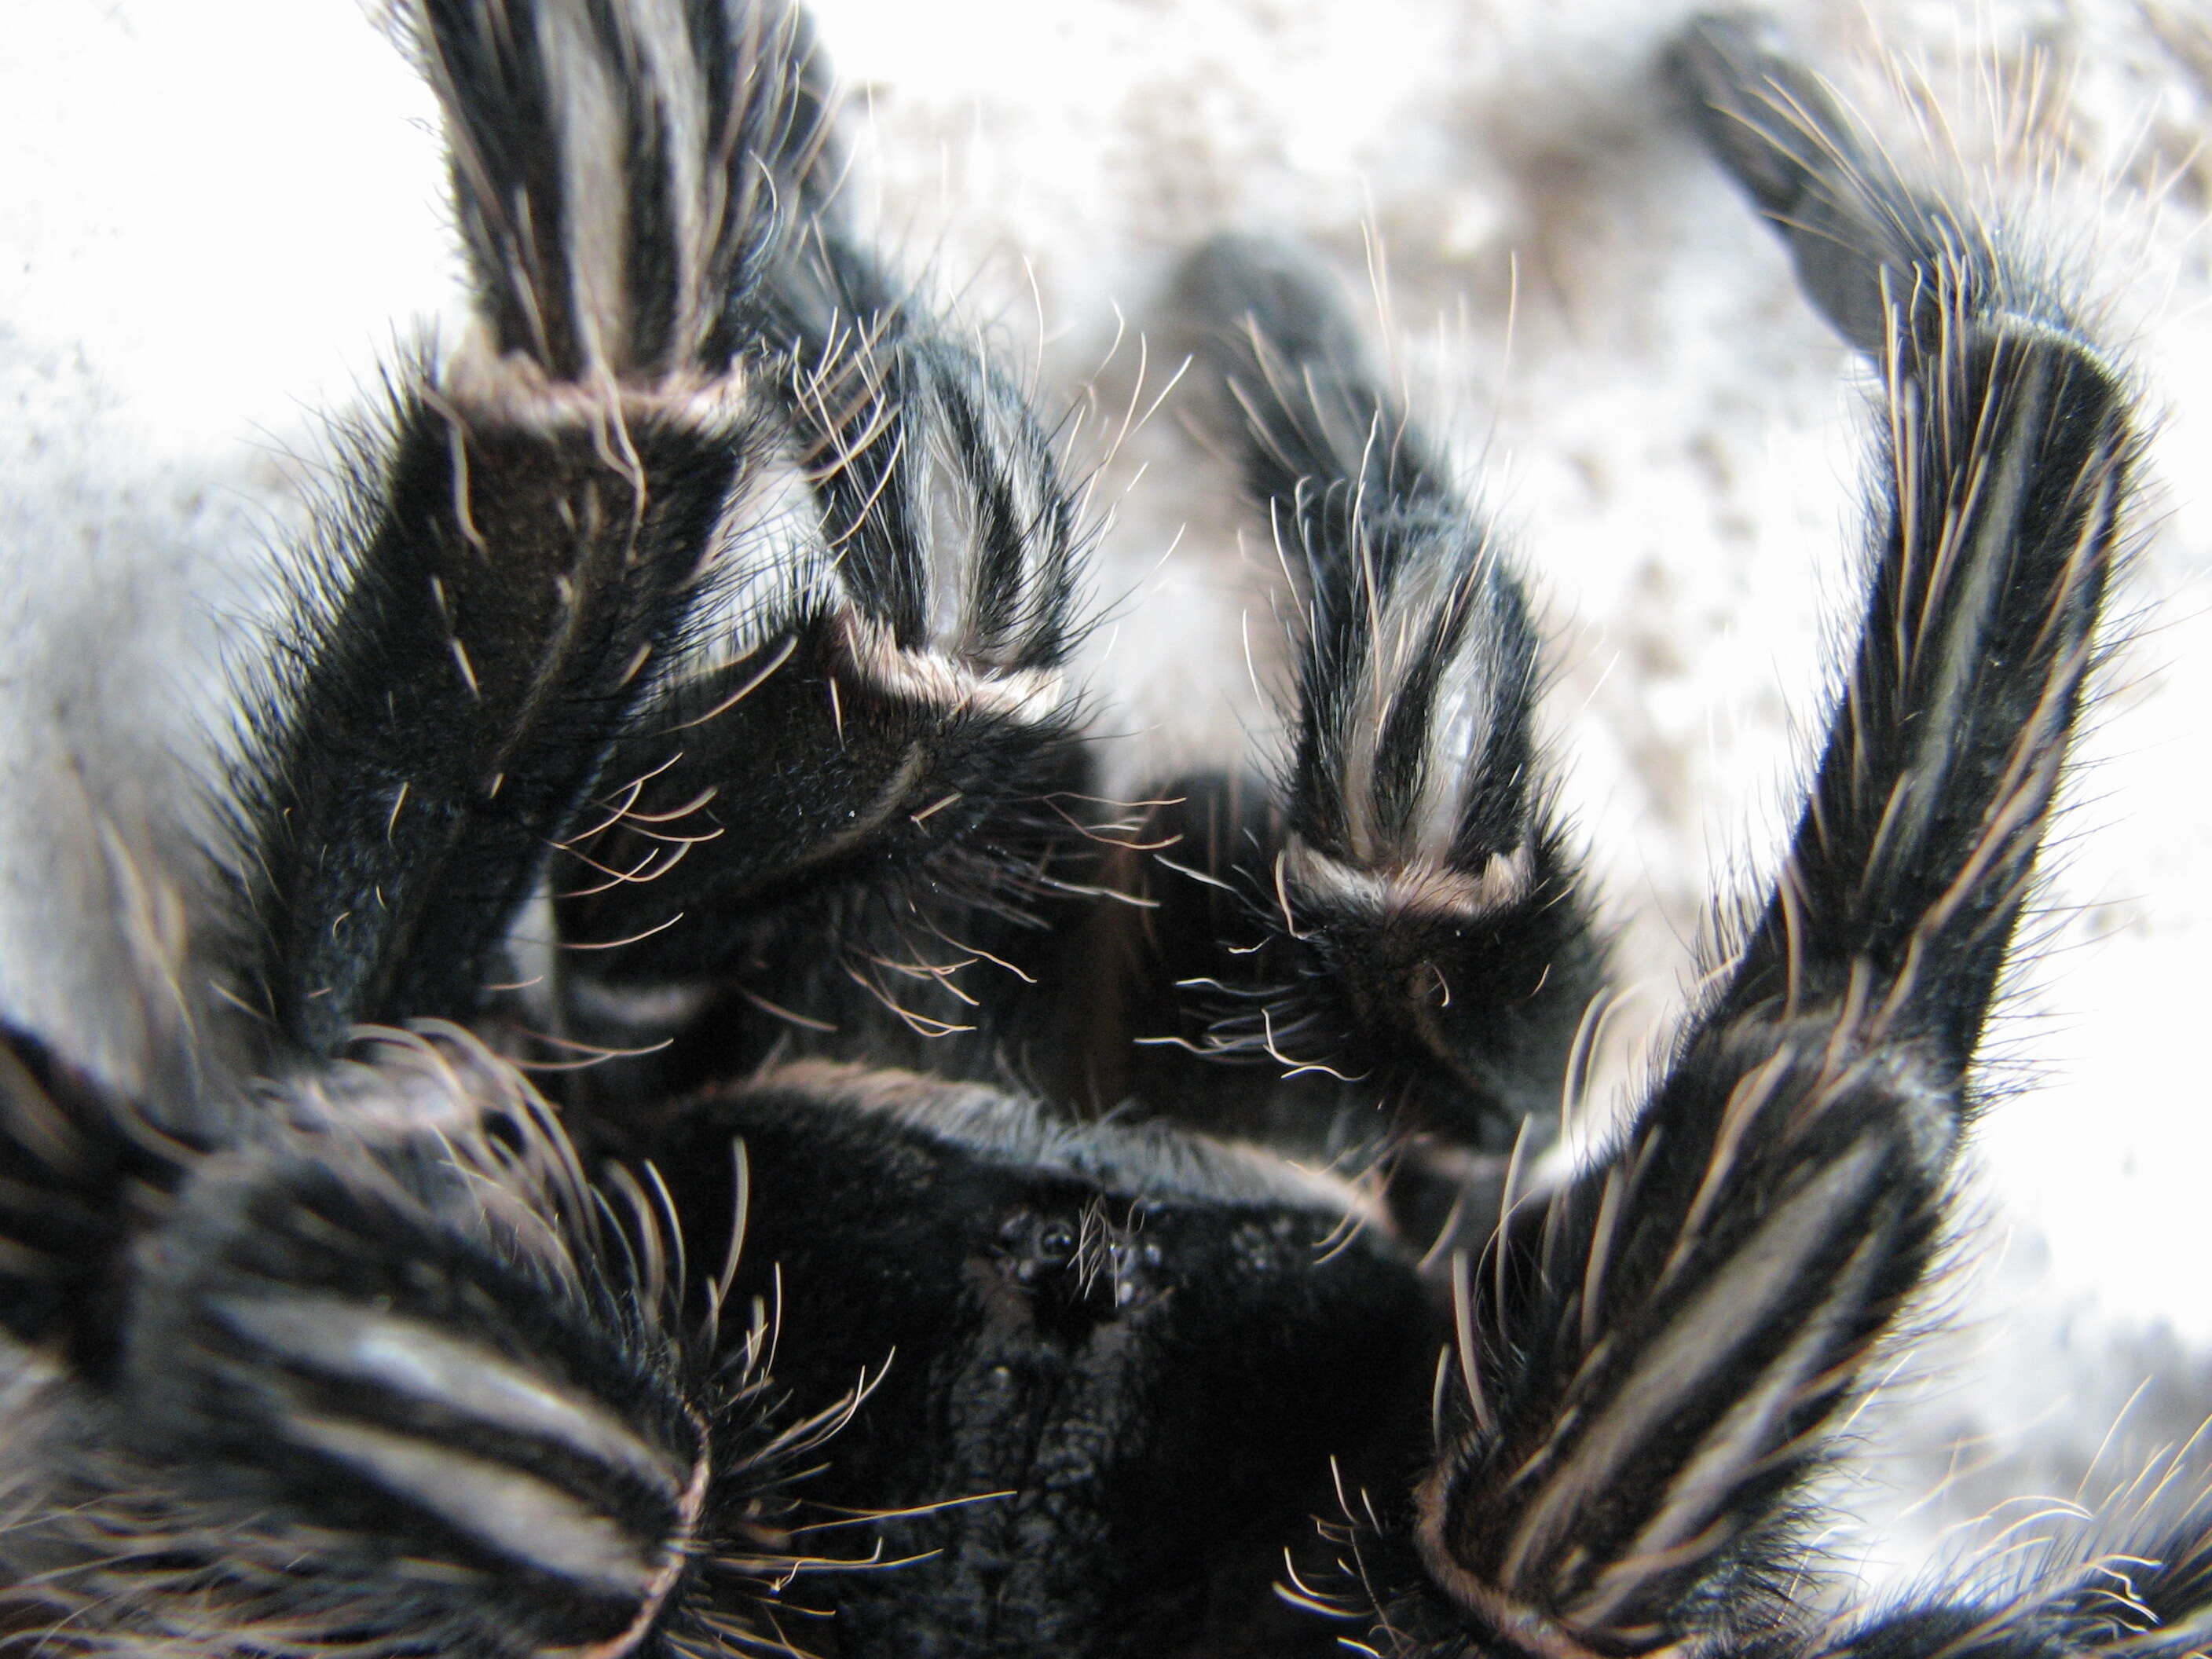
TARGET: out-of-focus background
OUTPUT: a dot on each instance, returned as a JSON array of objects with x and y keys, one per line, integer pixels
[{"x": 216, "y": 219}]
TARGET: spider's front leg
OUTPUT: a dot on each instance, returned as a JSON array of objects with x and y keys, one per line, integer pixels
[
  {"x": 1652, "y": 1359},
  {"x": 534, "y": 527},
  {"x": 1427, "y": 936}
]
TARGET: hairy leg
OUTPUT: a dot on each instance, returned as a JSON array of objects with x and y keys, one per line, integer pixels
[
  {"x": 1415, "y": 927},
  {"x": 1652, "y": 1359},
  {"x": 877, "y": 770},
  {"x": 531, "y": 523}
]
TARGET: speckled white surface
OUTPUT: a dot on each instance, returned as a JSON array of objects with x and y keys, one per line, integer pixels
[{"x": 216, "y": 217}]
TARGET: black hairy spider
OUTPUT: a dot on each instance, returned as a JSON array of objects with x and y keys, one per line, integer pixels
[{"x": 999, "y": 1218}]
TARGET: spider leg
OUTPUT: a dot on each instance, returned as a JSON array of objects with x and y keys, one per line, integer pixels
[
  {"x": 396, "y": 1374},
  {"x": 1653, "y": 1356},
  {"x": 896, "y": 708},
  {"x": 2007, "y": 434},
  {"x": 875, "y": 769},
  {"x": 2143, "y": 1586},
  {"x": 1419, "y": 888},
  {"x": 525, "y": 536}
]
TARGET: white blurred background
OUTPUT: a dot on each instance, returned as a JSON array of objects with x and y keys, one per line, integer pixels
[{"x": 217, "y": 218}]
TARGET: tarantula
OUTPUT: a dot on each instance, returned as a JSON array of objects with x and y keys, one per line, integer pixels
[{"x": 999, "y": 1218}]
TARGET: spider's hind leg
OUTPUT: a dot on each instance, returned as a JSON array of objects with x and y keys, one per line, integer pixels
[{"x": 1426, "y": 921}]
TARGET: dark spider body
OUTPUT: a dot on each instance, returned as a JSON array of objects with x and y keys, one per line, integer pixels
[{"x": 1002, "y": 1220}]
